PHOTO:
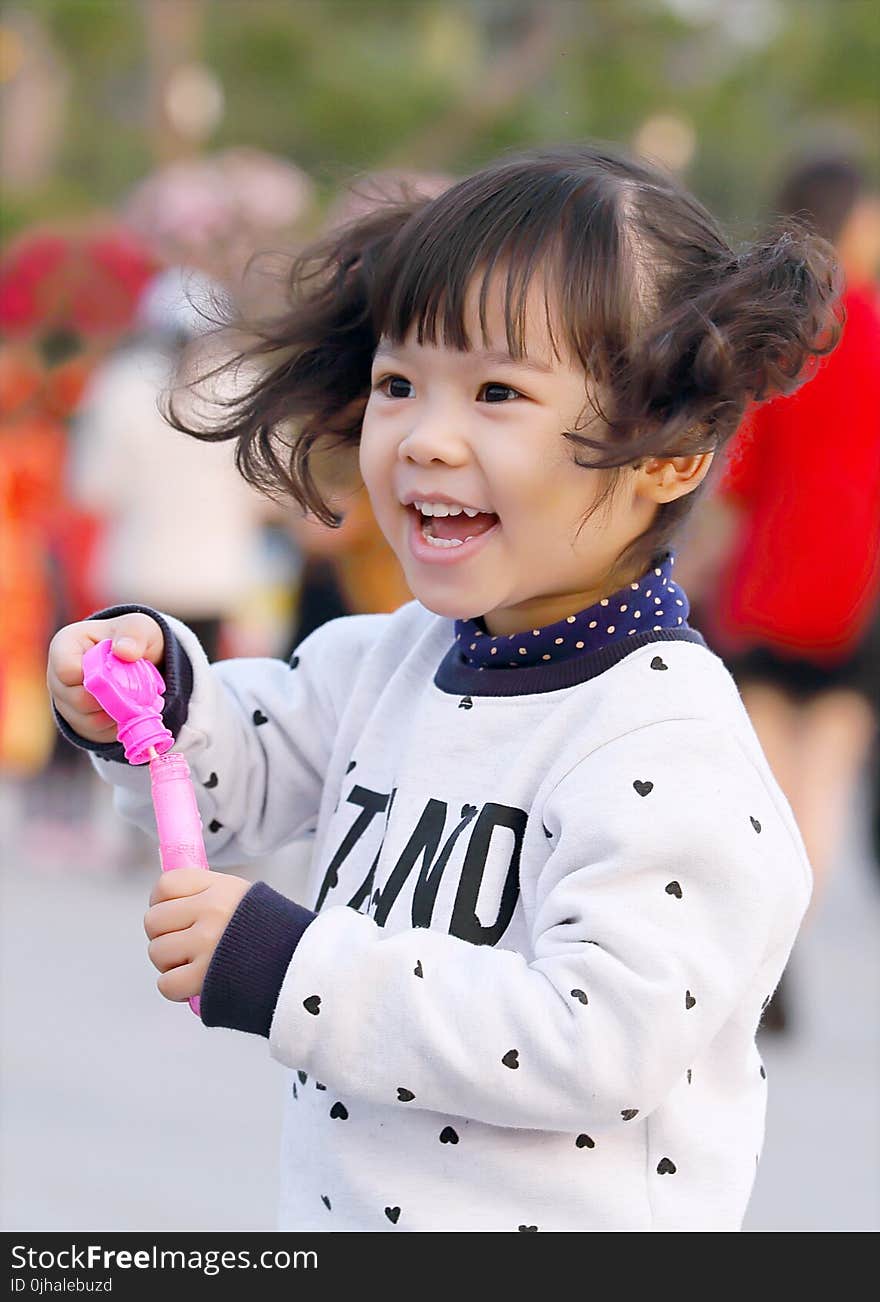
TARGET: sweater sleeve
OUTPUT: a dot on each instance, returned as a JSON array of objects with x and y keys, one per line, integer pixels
[
  {"x": 671, "y": 876},
  {"x": 257, "y": 733}
]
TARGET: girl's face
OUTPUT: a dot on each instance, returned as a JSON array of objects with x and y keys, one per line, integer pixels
[{"x": 483, "y": 430}]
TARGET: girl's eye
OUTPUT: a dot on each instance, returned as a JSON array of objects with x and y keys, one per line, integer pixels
[
  {"x": 499, "y": 392},
  {"x": 395, "y": 386}
]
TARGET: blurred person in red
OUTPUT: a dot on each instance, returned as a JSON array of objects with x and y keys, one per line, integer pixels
[
  {"x": 32, "y": 449},
  {"x": 793, "y": 530},
  {"x": 67, "y": 294}
]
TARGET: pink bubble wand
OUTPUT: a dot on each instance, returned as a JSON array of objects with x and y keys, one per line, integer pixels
[{"x": 132, "y": 693}]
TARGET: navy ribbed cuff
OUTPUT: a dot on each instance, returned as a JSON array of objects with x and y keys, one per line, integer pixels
[
  {"x": 176, "y": 670},
  {"x": 248, "y": 968}
]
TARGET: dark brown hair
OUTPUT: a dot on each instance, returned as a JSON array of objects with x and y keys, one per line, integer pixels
[{"x": 676, "y": 331}]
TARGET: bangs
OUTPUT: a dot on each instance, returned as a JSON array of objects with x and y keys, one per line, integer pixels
[{"x": 506, "y": 227}]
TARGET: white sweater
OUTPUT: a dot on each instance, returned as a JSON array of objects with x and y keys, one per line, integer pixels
[{"x": 547, "y": 922}]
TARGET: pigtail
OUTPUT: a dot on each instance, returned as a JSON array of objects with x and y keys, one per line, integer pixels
[
  {"x": 774, "y": 314},
  {"x": 733, "y": 331},
  {"x": 298, "y": 389},
  {"x": 723, "y": 332}
]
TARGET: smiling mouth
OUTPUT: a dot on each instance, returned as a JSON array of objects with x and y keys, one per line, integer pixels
[{"x": 454, "y": 530}]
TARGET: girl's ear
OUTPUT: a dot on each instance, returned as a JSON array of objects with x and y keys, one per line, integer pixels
[{"x": 663, "y": 479}]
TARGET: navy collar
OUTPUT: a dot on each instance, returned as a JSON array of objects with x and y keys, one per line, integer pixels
[
  {"x": 459, "y": 679},
  {"x": 548, "y": 665},
  {"x": 653, "y": 603}
]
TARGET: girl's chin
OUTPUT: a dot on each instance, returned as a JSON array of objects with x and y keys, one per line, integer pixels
[{"x": 446, "y": 609}]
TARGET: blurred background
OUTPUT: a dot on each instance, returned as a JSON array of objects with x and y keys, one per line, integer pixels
[{"x": 148, "y": 149}]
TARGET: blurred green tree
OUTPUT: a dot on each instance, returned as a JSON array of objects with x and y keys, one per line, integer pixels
[{"x": 342, "y": 87}]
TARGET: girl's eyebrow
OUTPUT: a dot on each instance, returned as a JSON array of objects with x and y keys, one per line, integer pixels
[
  {"x": 492, "y": 359},
  {"x": 524, "y": 363}
]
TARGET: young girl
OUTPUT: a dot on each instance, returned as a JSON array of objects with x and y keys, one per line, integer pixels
[{"x": 554, "y": 881}]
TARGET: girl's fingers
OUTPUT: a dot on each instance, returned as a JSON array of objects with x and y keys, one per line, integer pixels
[
  {"x": 171, "y": 951},
  {"x": 98, "y": 725},
  {"x": 181, "y": 983},
  {"x": 170, "y": 916},
  {"x": 69, "y": 645},
  {"x": 134, "y": 635},
  {"x": 81, "y": 710},
  {"x": 180, "y": 884},
  {"x": 78, "y": 699}
]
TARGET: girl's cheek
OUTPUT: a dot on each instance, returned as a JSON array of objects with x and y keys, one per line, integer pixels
[
  {"x": 365, "y": 462},
  {"x": 374, "y": 466}
]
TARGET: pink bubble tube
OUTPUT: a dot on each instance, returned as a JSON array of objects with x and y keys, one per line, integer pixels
[{"x": 132, "y": 692}]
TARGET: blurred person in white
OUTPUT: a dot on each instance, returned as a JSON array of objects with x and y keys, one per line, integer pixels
[
  {"x": 183, "y": 530},
  {"x": 788, "y": 591}
]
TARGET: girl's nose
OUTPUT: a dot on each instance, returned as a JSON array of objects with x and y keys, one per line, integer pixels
[{"x": 435, "y": 435}]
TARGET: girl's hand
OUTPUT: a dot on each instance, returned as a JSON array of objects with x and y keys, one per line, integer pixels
[
  {"x": 189, "y": 912},
  {"x": 135, "y": 636}
]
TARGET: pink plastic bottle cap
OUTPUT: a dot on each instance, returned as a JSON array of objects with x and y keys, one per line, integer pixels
[{"x": 132, "y": 693}]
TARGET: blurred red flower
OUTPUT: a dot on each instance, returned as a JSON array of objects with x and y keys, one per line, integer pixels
[{"x": 85, "y": 282}]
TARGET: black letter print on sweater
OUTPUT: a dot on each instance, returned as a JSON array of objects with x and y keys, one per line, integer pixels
[
  {"x": 425, "y": 842},
  {"x": 372, "y": 803},
  {"x": 363, "y": 891},
  {"x": 465, "y": 922}
]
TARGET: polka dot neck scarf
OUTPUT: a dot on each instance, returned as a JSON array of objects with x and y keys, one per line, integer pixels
[{"x": 655, "y": 601}]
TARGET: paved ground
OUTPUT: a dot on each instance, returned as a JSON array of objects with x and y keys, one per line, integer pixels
[{"x": 119, "y": 1112}]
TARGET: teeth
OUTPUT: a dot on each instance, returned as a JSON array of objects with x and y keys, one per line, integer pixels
[
  {"x": 442, "y": 542},
  {"x": 441, "y": 508},
  {"x": 438, "y": 508}
]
